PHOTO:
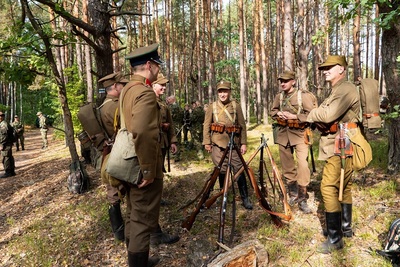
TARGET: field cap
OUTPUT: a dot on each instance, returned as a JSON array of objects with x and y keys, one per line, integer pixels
[
  {"x": 161, "y": 79},
  {"x": 16, "y": 116},
  {"x": 334, "y": 60},
  {"x": 143, "y": 54},
  {"x": 2, "y": 114},
  {"x": 224, "y": 85},
  {"x": 112, "y": 78},
  {"x": 287, "y": 75},
  {"x": 39, "y": 113}
]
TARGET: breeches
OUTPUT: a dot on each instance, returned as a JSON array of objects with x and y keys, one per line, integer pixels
[
  {"x": 143, "y": 210},
  {"x": 301, "y": 174},
  {"x": 112, "y": 194},
  {"x": 330, "y": 184},
  {"x": 217, "y": 154}
]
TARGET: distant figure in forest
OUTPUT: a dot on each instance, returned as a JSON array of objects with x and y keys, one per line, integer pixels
[
  {"x": 6, "y": 142},
  {"x": 18, "y": 132},
  {"x": 43, "y": 128}
]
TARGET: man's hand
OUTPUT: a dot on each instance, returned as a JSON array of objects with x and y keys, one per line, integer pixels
[
  {"x": 243, "y": 149},
  {"x": 174, "y": 148},
  {"x": 145, "y": 182},
  {"x": 208, "y": 148}
]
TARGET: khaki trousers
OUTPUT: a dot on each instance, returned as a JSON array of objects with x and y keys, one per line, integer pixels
[
  {"x": 330, "y": 184},
  {"x": 217, "y": 153},
  {"x": 301, "y": 174},
  {"x": 143, "y": 211}
]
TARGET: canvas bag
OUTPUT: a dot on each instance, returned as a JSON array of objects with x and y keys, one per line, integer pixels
[
  {"x": 122, "y": 162},
  {"x": 362, "y": 152}
]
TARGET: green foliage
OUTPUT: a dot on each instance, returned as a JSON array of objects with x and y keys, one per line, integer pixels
[
  {"x": 76, "y": 94},
  {"x": 379, "y": 153}
]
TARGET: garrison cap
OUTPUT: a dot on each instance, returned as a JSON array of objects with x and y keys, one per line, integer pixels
[
  {"x": 161, "y": 79},
  {"x": 334, "y": 60},
  {"x": 112, "y": 78},
  {"x": 224, "y": 85},
  {"x": 287, "y": 75},
  {"x": 16, "y": 116},
  {"x": 2, "y": 114},
  {"x": 38, "y": 113},
  {"x": 143, "y": 54}
]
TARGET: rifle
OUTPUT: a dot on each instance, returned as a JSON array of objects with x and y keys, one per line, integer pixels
[
  {"x": 310, "y": 142},
  {"x": 342, "y": 147},
  {"x": 205, "y": 194}
]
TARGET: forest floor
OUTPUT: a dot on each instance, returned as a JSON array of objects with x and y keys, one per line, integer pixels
[{"x": 43, "y": 224}]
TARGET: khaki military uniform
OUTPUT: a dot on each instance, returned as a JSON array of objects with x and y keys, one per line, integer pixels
[
  {"x": 43, "y": 130},
  {"x": 107, "y": 111},
  {"x": 290, "y": 138},
  {"x": 218, "y": 113},
  {"x": 142, "y": 117},
  {"x": 6, "y": 149},
  {"x": 19, "y": 134},
  {"x": 343, "y": 104},
  {"x": 168, "y": 132},
  {"x": 369, "y": 97}
]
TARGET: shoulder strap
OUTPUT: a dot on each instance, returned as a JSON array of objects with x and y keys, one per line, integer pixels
[{"x": 121, "y": 98}]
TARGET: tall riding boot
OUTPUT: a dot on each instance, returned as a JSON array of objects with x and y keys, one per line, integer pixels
[
  {"x": 117, "y": 222},
  {"x": 293, "y": 193},
  {"x": 141, "y": 259},
  {"x": 346, "y": 220},
  {"x": 159, "y": 237},
  {"x": 302, "y": 199},
  {"x": 243, "y": 192},
  {"x": 221, "y": 179},
  {"x": 335, "y": 234}
]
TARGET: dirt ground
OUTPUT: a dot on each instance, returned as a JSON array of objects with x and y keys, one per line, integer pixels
[{"x": 38, "y": 191}]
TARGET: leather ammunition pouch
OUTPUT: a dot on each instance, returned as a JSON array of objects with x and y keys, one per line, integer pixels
[
  {"x": 233, "y": 129},
  {"x": 165, "y": 126},
  {"x": 217, "y": 127},
  {"x": 327, "y": 128},
  {"x": 369, "y": 115},
  {"x": 295, "y": 124}
]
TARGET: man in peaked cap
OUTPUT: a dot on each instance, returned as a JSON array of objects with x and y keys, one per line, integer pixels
[
  {"x": 6, "y": 143},
  {"x": 341, "y": 106},
  {"x": 142, "y": 116},
  {"x": 113, "y": 84},
  {"x": 290, "y": 109},
  {"x": 220, "y": 114}
]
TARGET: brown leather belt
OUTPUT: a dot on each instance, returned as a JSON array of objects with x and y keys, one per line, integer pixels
[{"x": 369, "y": 115}]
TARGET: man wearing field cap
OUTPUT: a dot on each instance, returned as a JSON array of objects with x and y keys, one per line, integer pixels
[
  {"x": 6, "y": 142},
  {"x": 290, "y": 108},
  {"x": 342, "y": 107},
  {"x": 113, "y": 84},
  {"x": 221, "y": 114},
  {"x": 143, "y": 119},
  {"x": 19, "y": 132}
]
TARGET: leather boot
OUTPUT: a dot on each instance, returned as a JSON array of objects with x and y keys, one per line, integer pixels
[
  {"x": 335, "y": 234},
  {"x": 242, "y": 185},
  {"x": 293, "y": 193},
  {"x": 117, "y": 222},
  {"x": 302, "y": 199},
  {"x": 141, "y": 259},
  {"x": 159, "y": 237},
  {"x": 346, "y": 220}
]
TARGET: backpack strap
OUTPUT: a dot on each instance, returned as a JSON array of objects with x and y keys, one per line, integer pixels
[{"x": 223, "y": 109}]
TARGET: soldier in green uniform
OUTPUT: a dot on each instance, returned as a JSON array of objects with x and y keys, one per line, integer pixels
[
  {"x": 220, "y": 114},
  {"x": 43, "y": 128},
  {"x": 19, "y": 132},
  {"x": 6, "y": 142},
  {"x": 290, "y": 108},
  {"x": 113, "y": 84},
  {"x": 197, "y": 118},
  {"x": 143, "y": 119},
  {"x": 177, "y": 119},
  {"x": 342, "y": 106}
]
